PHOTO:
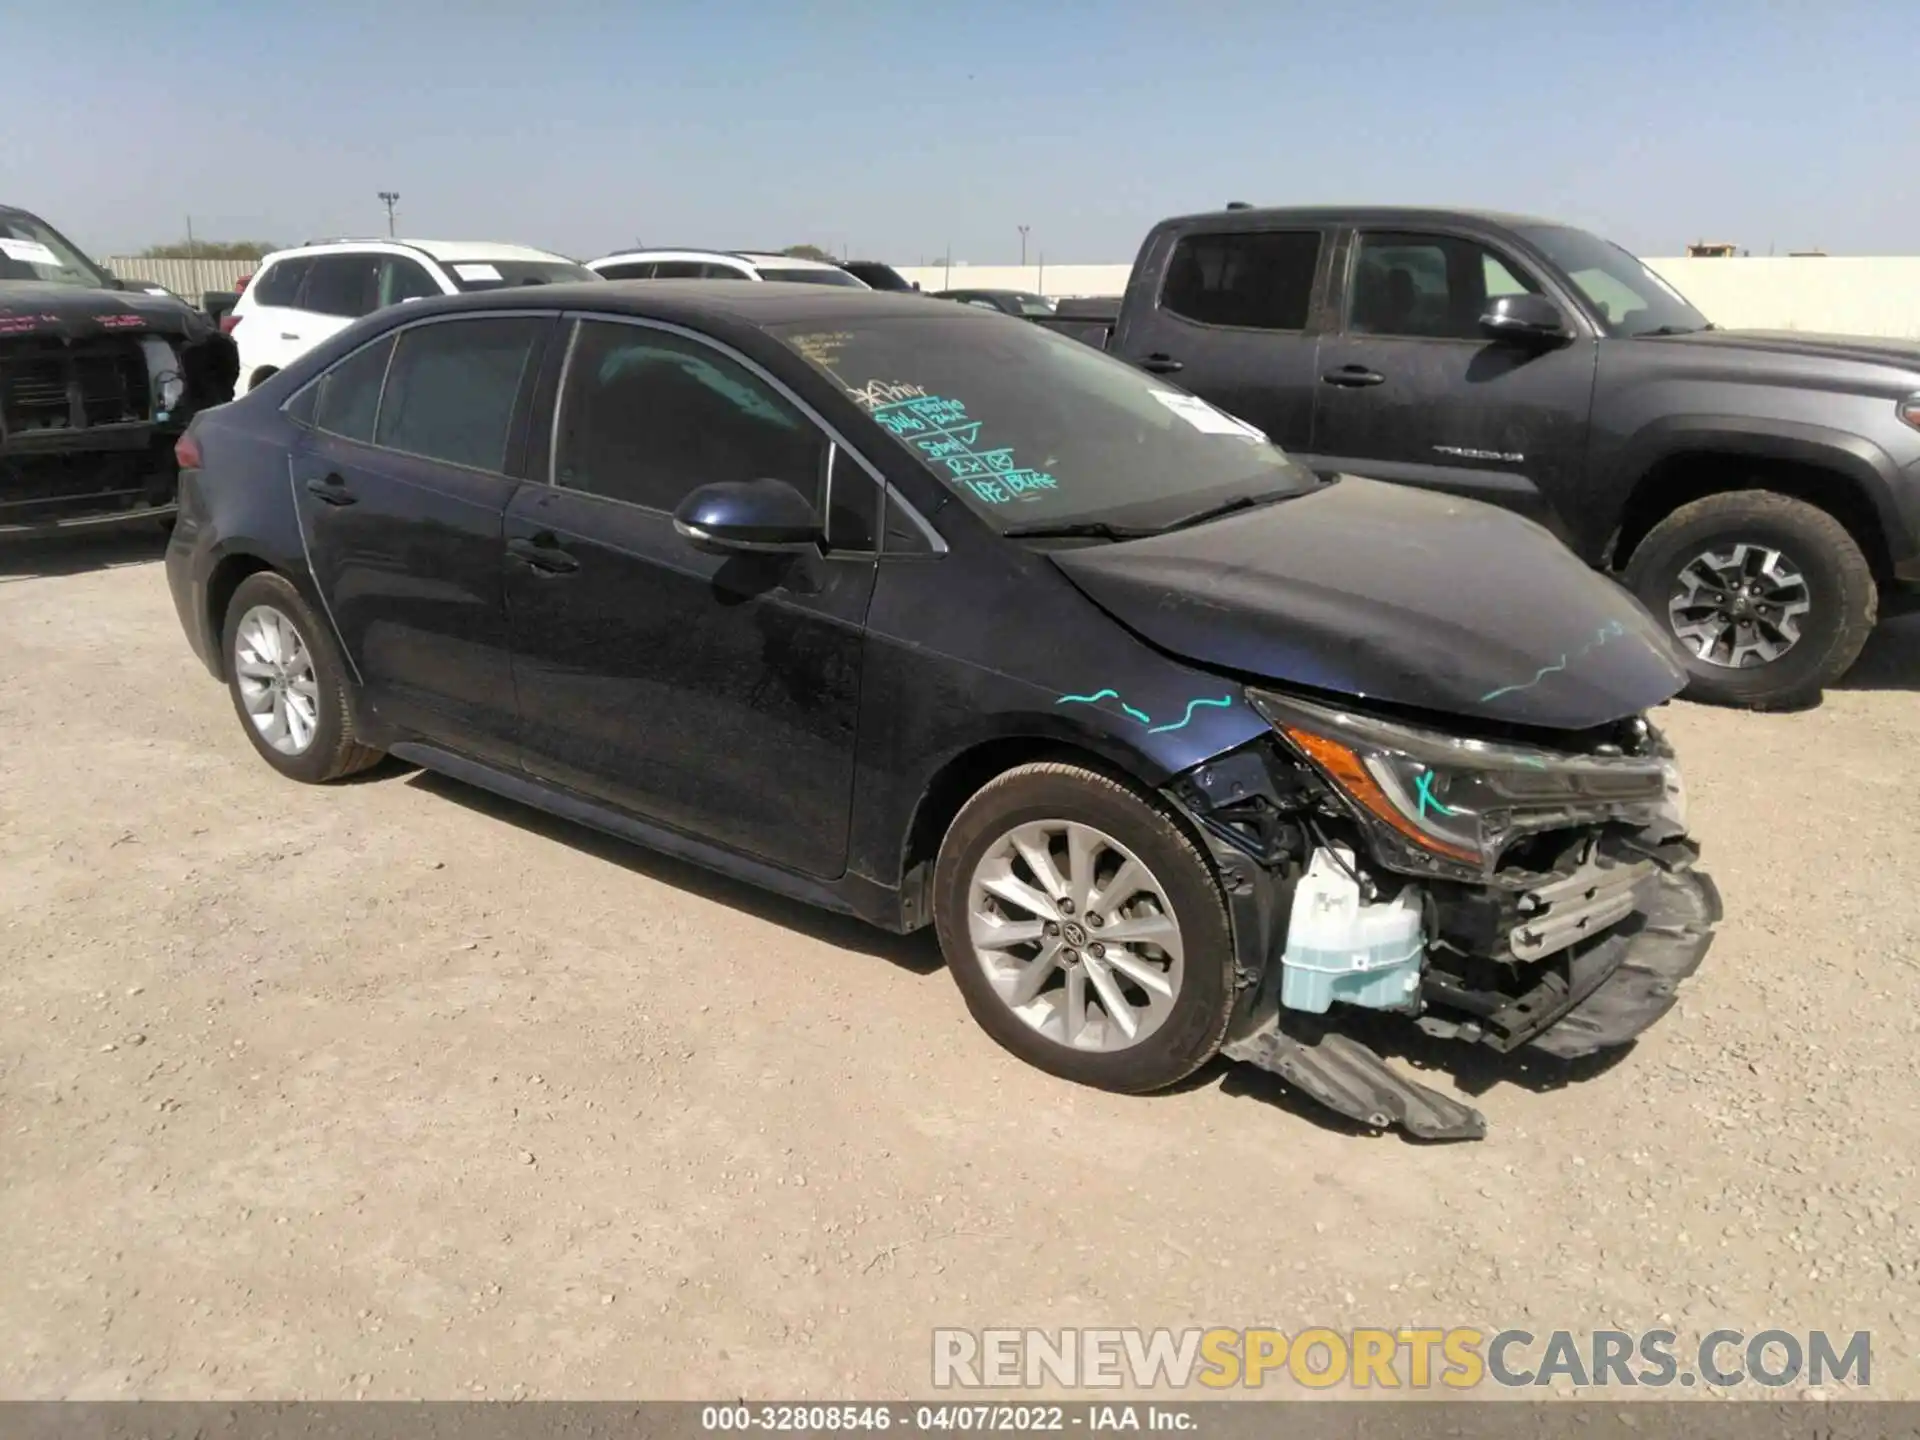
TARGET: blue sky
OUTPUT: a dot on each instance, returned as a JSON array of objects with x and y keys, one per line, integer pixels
[{"x": 895, "y": 130}]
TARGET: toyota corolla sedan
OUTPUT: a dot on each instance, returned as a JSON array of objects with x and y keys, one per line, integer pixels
[{"x": 931, "y": 616}]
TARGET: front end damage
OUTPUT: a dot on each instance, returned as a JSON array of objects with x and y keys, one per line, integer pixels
[
  {"x": 1498, "y": 892},
  {"x": 92, "y": 399}
]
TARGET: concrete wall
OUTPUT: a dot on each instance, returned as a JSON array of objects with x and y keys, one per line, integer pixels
[
  {"x": 189, "y": 279},
  {"x": 1848, "y": 295}
]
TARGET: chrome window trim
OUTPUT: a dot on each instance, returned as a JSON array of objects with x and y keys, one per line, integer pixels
[{"x": 837, "y": 441}]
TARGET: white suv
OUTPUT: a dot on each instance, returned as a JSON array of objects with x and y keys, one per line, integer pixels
[
  {"x": 298, "y": 298},
  {"x": 721, "y": 265}
]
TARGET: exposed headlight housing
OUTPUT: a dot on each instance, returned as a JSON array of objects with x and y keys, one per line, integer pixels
[
  {"x": 1909, "y": 409},
  {"x": 1437, "y": 804}
]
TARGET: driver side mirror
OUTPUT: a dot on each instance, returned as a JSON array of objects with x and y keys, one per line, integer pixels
[
  {"x": 756, "y": 516},
  {"x": 1530, "y": 320}
]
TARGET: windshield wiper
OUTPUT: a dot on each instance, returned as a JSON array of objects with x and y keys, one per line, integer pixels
[
  {"x": 1671, "y": 330},
  {"x": 1077, "y": 530},
  {"x": 1227, "y": 507}
]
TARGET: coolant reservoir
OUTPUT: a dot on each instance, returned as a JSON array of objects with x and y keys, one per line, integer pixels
[
  {"x": 1341, "y": 948},
  {"x": 164, "y": 382}
]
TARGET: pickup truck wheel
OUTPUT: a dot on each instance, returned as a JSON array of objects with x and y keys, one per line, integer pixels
[
  {"x": 289, "y": 687},
  {"x": 1085, "y": 931},
  {"x": 1769, "y": 597}
]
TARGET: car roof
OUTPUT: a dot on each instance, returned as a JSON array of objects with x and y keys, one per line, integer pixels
[
  {"x": 695, "y": 301},
  {"x": 1359, "y": 215},
  {"x": 434, "y": 249}
]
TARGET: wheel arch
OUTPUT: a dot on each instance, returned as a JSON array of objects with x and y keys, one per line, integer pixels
[
  {"x": 229, "y": 572},
  {"x": 1840, "y": 475},
  {"x": 260, "y": 375}
]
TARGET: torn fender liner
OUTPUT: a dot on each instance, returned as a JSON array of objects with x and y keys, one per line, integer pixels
[
  {"x": 1346, "y": 1076},
  {"x": 1681, "y": 909}
]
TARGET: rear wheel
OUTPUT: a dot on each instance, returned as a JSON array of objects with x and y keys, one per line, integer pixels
[
  {"x": 1086, "y": 932},
  {"x": 288, "y": 684},
  {"x": 1769, "y": 598}
]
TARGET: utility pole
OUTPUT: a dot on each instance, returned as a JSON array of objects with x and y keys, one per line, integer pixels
[
  {"x": 192, "y": 254},
  {"x": 947, "y": 283},
  {"x": 1023, "y": 246},
  {"x": 389, "y": 198}
]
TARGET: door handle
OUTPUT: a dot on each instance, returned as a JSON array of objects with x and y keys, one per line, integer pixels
[
  {"x": 543, "y": 555},
  {"x": 1159, "y": 363},
  {"x": 333, "y": 490},
  {"x": 1354, "y": 377},
  {"x": 285, "y": 336}
]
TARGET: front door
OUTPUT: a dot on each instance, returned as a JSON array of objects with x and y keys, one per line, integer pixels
[
  {"x": 714, "y": 694},
  {"x": 1410, "y": 390},
  {"x": 402, "y": 483},
  {"x": 1234, "y": 323}
]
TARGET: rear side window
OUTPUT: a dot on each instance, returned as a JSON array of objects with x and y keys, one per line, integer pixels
[
  {"x": 342, "y": 285},
  {"x": 451, "y": 389},
  {"x": 350, "y": 392},
  {"x": 279, "y": 284},
  {"x": 722, "y": 272},
  {"x": 404, "y": 279},
  {"x": 1257, "y": 279}
]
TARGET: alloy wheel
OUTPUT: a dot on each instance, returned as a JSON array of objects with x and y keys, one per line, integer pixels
[
  {"x": 274, "y": 670},
  {"x": 1076, "y": 935},
  {"x": 1739, "y": 607}
]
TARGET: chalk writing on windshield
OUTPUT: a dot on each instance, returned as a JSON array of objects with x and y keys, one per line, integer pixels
[
  {"x": 821, "y": 347},
  {"x": 942, "y": 430}
]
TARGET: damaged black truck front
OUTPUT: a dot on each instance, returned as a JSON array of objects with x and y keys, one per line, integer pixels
[{"x": 97, "y": 382}]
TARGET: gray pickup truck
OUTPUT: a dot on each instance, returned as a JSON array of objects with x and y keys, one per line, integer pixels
[{"x": 1758, "y": 491}]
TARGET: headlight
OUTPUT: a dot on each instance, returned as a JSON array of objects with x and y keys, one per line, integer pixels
[{"x": 1443, "y": 804}]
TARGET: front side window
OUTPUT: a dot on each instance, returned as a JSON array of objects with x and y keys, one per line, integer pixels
[
  {"x": 342, "y": 285},
  {"x": 1433, "y": 287},
  {"x": 30, "y": 250},
  {"x": 649, "y": 416},
  {"x": 452, "y": 387},
  {"x": 1257, "y": 279},
  {"x": 807, "y": 275},
  {"x": 349, "y": 393},
  {"x": 1029, "y": 427},
  {"x": 629, "y": 270},
  {"x": 678, "y": 270},
  {"x": 1628, "y": 296},
  {"x": 280, "y": 282}
]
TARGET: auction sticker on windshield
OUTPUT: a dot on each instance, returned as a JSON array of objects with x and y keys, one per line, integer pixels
[
  {"x": 1202, "y": 416},
  {"x": 32, "y": 252}
]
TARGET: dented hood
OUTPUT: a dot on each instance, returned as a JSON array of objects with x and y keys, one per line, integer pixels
[
  {"x": 74, "y": 312},
  {"x": 1387, "y": 593}
]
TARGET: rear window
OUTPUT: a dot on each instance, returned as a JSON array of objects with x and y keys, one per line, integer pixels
[
  {"x": 499, "y": 274},
  {"x": 796, "y": 275}
]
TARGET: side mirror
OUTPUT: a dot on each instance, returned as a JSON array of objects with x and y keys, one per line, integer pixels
[
  {"x": 1531, "y": 320},
  {"x": 748, "y": 515}
]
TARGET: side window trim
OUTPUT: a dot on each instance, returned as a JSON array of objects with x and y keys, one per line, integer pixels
[
  {"x": 838, "y": 442},
  {"x": 1521, "y": 270}
]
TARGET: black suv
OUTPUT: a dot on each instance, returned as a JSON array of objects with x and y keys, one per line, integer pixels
[
  {"x": 97, "y": 381},
  {"x": 1758, "y": 491}
]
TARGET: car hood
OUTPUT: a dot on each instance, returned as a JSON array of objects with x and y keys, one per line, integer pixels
[
  {"x": 74, "y": 312},
  {"x": 1386, "y": 593},
  {"x": 1865, "y": 349}
]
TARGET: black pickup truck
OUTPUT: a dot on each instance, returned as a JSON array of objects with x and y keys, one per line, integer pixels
[
  {"x": 98, "y": 379},
  {"x": 1758, "y": 491}
]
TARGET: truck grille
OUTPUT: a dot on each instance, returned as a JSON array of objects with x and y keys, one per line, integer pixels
[{"x": 41, "y": 380}]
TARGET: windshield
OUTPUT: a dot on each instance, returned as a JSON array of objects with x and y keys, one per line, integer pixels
[
  {"x": 1630, "y": 298},
  {"x": 798, "y": 275},
  {"x": 1031, "y": 429},
  {"x": 499, "y": 274},
  {"x": 30, "y": 250},
  {"x": 1033, "y": 304}
]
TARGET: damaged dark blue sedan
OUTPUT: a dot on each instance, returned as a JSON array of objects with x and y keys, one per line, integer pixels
[{"x": 931, "y": 616}]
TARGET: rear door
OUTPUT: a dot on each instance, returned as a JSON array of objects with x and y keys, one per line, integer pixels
[
  {"x": 402, "y": 480},
  {"x": 340, "y": 288},
  {"x": 1234, "y": 321},
  {"x": 269, "y": 329},
  {"x": 1411, "y": 391}
]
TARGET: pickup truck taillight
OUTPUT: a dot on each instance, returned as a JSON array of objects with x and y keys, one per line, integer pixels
[
  {"x": 186, "y": 450},
  {"x": 228, "y": 321},
  {"x": 1910, "y": 410}
]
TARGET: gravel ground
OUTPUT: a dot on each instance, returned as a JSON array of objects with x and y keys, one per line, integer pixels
[{"x": 393, "y": 1089}]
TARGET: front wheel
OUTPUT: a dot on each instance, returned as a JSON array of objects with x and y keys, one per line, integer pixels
[
  {"x": 1769, "y": 597},
  {"x": 1084, "y": 929}
]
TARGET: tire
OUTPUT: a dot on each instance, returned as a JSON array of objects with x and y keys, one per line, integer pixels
[
  {"x": 1177, "y": 1032},
  {"x": 330, "y": 749},
  {"x": 1838, "y": 590}
]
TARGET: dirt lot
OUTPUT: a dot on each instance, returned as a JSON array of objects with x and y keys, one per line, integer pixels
[{"x": 393, "y": 1089}]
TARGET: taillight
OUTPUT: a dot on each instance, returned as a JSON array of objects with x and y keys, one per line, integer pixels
[
  {"x": 241, "y": 283},
  {"x": 186, "y": 450},
  {"x": 228, "y": 321},
  {"x": 1910, "y": 410}
]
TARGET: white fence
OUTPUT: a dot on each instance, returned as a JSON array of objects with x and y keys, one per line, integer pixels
[
  {"x": 189, "y": 279},
  {"x": 1845, "y": 295}
]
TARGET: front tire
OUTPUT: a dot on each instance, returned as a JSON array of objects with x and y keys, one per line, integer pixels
[
  {"x": 288, "y": 684},
  {"x": 1086, "y": 932},
  {"x": 1769, "y": 598}
]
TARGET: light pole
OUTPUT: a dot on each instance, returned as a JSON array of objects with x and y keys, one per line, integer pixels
[
  {"x": 390, "y": 198},
  {"x": 1023, "y": 245}
]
